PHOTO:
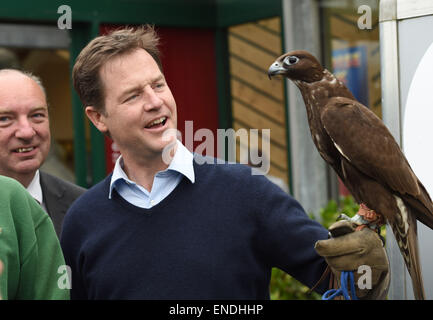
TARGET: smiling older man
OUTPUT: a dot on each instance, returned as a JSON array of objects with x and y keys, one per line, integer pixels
[{"x": 25, "y": 143}]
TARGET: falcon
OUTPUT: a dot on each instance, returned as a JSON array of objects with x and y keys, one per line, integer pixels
[{"x": 364, "y": 154}]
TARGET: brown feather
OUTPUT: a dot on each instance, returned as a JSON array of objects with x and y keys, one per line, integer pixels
[{"x": 363, "y": 152}]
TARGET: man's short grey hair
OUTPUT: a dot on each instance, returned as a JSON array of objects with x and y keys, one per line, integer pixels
[{"x": 27, "y": 74}]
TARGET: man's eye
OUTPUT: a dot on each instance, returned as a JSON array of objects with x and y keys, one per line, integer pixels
[
  {"x": 38, "y": 116},
  {"x": 4, "y": 119},
  {"x": 132, "y": 97}
]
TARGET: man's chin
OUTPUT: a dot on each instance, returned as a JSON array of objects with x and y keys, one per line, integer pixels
[
  {"x": 168, "y": 151},
  {"x": 27, "y": 167}
]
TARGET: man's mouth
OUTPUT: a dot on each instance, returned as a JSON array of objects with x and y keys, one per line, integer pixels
[
  {"x": 23, "y": 150},
  {"x": 157, "y": 123}
]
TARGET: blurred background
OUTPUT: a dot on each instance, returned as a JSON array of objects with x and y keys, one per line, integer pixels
[{"x": 215, "y": 55}]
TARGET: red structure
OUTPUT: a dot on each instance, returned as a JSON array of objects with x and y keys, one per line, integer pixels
[{"x": 189, "y": 63}]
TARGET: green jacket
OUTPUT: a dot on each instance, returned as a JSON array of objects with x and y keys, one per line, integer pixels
[{"x": 33, "y": 263}]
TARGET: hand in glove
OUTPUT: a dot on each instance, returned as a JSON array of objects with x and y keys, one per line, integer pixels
[{"x": 348, "y": 249}]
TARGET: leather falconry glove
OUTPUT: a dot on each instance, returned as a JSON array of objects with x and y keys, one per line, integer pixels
[{"x": 348, "y": 249}]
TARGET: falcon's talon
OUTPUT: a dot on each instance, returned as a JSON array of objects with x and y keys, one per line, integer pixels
[{"x": 359, "y": 228}]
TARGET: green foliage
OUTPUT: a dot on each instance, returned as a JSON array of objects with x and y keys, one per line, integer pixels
[
  {"x": 332, "y": 210},
  {"x": 285, "y": 287}
]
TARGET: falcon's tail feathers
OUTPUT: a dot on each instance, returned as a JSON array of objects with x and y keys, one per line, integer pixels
[
  {"x": 422, "y": 207},
  {"x": 416, "y": 274},
  {"x": 409, "y": 249}
]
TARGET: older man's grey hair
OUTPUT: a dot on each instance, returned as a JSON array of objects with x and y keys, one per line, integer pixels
[{"x": 27, "y": 74}]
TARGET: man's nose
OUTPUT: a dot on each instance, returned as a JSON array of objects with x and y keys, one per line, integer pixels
[
  {"x": 152, "y": 100},
  {"x": 25, "y": 129}
]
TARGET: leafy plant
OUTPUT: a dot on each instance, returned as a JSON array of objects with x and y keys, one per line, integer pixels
[
  {"x": 285, "y": 287},
  {"x": 329, "y": 214}
]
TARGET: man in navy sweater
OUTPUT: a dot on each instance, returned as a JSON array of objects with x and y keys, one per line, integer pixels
[{"x": 167, "y": 224}]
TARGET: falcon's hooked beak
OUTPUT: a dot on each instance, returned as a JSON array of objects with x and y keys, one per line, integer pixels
[{"x": 275, "y": 69}]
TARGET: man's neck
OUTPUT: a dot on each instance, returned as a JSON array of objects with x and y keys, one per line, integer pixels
[
  {"x": 24, "y": 179},
  {"x": 143, "y": 171}
]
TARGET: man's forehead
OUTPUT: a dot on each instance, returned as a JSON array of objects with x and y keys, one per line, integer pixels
[
  {"x": 13, "y": 76},
  {"x": 122, "y": 60},
  {"x": 9, "y": 72},
  {"x": 16, "y": 108},
  {"x": 120, "y": 68},
  {"x": 17, "y": 93}
]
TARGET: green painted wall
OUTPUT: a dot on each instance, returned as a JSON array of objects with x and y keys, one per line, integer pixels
[{"x": 191, "y": 13}]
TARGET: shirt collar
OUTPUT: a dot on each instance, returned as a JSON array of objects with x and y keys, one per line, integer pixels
[
  {"x": 35, "y": 188},
  {"x": 182, "y": 162}
]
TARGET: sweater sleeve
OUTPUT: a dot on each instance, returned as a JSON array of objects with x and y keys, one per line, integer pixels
[
  {"x": 30, "y": 250},
  {"x": 287, "y": 235},
  {"x": 53, "y": 281},
  {"x": 40, "y": 277},
  {"x": 78, "y": 227},
  {"x": 70, "y": 240}
]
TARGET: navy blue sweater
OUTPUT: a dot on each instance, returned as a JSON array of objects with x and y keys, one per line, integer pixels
[{"x": 215, "y": 239}]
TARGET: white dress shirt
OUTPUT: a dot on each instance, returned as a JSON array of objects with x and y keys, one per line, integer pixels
[
  {"x": 35, "y": 190},
  {"x": 163, "y": 184}
]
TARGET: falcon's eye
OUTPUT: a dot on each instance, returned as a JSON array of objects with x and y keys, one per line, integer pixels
[{"x": 290, "y": 60}]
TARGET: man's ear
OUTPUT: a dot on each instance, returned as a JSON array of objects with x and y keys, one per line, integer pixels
[{"x": 97, "y": 117}]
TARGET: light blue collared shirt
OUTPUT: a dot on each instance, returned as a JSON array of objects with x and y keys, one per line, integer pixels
[{"x": 163, "y": 184}]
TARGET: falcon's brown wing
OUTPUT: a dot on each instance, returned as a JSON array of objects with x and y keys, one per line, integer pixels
[{"x": 364, "y": 140}]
